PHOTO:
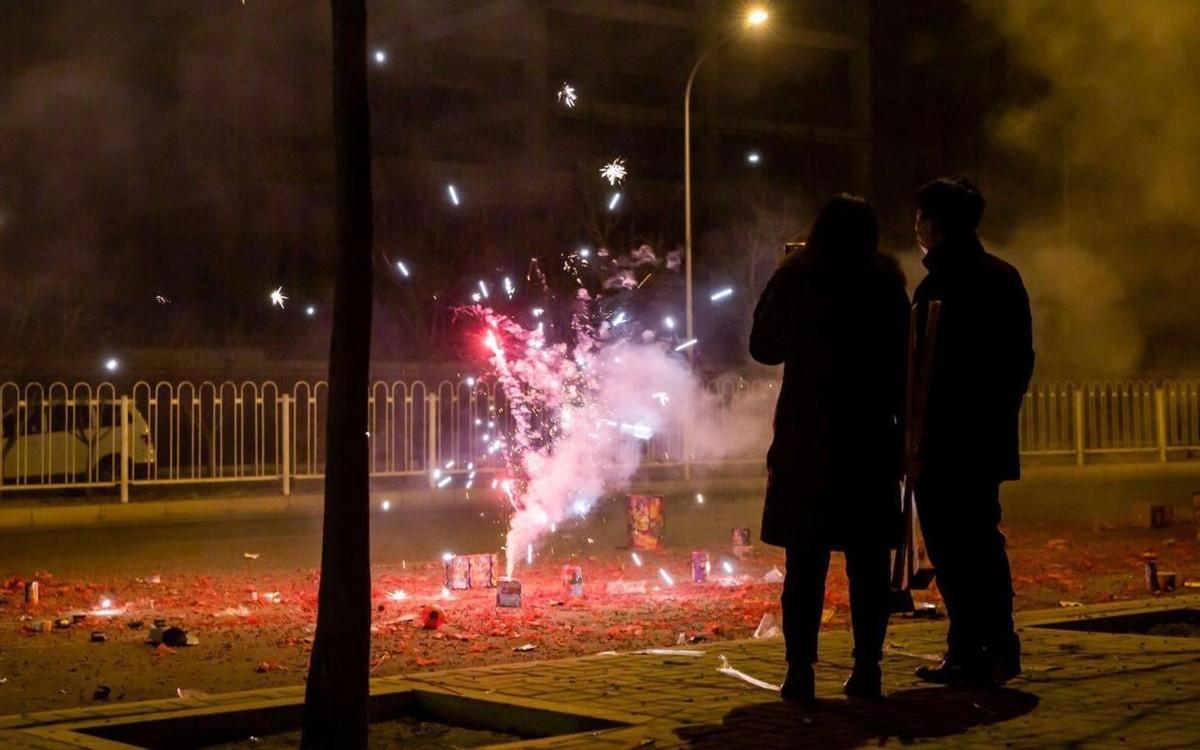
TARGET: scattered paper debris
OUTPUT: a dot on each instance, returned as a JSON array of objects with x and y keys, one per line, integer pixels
[
  {"x": 768, "y": 627},
  {"x": 670, "y": 652},
  {"x": 726, "y": 669}
]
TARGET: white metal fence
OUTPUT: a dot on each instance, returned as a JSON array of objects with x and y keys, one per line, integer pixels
[{"x": 86, "y": 435}]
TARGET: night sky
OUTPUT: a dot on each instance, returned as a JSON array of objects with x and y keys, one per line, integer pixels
[{"x": 180, "y": 151}]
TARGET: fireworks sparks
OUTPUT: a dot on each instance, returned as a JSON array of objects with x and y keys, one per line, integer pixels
[
  {"x": 662, "y": 572},
  {"x": 483, "y": 290},
  {"x": 403, "y": 269},
  {"x": 637, "y": 559},
  {"x": 278, "y": 297},
  {"x": 453, "y": 193},
  {"x": 380, "y": 57},
  {"x": 567, "y": 95},
  {"x": 669, "y": 323},
  {"x": 162, "y": 299},
  {"x": 613, "y": 201},
  {"x": 615, "y": 172},
  {"x": 398, "y": 596},
  {"x": 310, "y": 311},
  {"x": 753, "y": 157},
  {"x": 386, "y": 505},
  {"x": 718, "y": 296},
  {"x": 699, "y": 499},
  {"x": 686, "y": 345},
  {"x": 112, "y": 364}
]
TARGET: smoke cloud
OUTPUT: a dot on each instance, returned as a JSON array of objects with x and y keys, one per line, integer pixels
[{"x": 1110, "y": 131}]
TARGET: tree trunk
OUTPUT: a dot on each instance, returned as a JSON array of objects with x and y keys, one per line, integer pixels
[{"x": 338, "y": 691}]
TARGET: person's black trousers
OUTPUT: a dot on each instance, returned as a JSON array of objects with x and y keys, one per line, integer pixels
[
  {"x": 803, "y": 599},
  {"x": 960, "y": 520}
]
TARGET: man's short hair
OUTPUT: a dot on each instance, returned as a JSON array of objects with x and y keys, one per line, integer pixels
[{"x": 953, "y": 204}]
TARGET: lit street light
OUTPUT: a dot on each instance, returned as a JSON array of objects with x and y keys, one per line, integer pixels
[{"x": 756, "y": 17}]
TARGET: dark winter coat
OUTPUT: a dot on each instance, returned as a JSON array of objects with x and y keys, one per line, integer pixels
[
  {"x": 983, "y": 359},
  {"x": 840, "y": 329}
]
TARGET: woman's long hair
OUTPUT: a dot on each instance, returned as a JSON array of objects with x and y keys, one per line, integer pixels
[{"x": 844, "y": 231}]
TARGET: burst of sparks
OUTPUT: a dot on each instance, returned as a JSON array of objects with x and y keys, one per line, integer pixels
[
  {"x": 509, "y": 289},
  {"x": 398, "y": 596},
  {"x": 686, "y": 345},
  {"x": 614, "y": 171},
  {"x": 718, "y": 296},
  {"x": 278, "y": 297},
  {"x": 567, "y": 95}
]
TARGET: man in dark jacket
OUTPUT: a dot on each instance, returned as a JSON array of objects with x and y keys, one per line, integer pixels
[
  {"x": 981, "y": 366},
  {"x": 835, "y": 315}
]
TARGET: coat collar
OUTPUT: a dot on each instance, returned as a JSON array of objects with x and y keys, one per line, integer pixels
[{"x": 951, "y": 252}]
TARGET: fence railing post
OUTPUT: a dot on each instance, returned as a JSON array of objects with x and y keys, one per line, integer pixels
[
  {"x": 286, "y": 436},
  {"x": 125, "y": 449},
  {"x": 1079, "y": 443},
  {"x": 1160, "y": 421},
  {"x": 431, "y": 438}
]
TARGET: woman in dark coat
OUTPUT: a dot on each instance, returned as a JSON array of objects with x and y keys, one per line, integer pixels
[{"x": 835, "y": 314}]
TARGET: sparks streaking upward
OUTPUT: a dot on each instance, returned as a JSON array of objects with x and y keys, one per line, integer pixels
[{"x": 574, "y": 416}]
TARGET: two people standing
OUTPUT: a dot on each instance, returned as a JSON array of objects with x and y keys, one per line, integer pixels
[{"x": 836, "y": 315}]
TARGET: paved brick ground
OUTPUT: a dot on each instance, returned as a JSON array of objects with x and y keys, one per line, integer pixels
[{"x": 1079, "y": 690}]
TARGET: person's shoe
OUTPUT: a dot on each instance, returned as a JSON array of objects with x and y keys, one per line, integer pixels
[
  {"x": 954, "y": 672},
  {"x": 1005, "y": 668},
  {"x": 799, "y": 686},
  {"x": 865, "y": 681}
]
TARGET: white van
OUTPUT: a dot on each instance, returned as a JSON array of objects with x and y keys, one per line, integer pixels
[{"x": 61, "y": 441}]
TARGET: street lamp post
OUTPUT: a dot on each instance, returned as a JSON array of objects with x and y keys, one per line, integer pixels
[{"x": 755, "y": 17}]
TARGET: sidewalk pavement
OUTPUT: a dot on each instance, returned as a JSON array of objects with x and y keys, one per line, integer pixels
[
  {"x": 33, "y": 510},
  {"x": 1079, "y": 690}
]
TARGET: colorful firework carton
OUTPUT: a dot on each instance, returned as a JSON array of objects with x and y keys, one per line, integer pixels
[
  {"x": 508, "y": 593},
  {"x": 645, "y": 522},
  {"x": 700, "y": 566},
  {"x": 740, "y": 543},
  {"x": 458, "y": 573},
  {"x": 483, "y": 570}
]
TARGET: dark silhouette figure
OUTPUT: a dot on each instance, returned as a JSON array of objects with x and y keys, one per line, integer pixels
[
  {"x": 981, "y": 365},
  {"x": 835, "y": 314}
]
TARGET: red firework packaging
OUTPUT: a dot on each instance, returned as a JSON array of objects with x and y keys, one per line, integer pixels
[{"x": 645, "y": 522}]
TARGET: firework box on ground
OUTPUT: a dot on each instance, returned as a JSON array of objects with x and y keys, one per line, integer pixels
[
  {"x": 483, "y": 570},
  {"x": 508, "y": 593},
  {"x": 573, "y": 579},
  {"x": 700, "y": 566},
  {"x": 739, "y": 543},
  {"x": 458, "y": 573},
  {"x": 645, "y": 522},
  {"x": 1153, "y": 515}
]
